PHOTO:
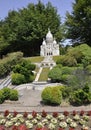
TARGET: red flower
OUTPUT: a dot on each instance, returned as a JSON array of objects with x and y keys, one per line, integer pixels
[
  {"x": 22, "y": 127},
  {"x": 71, "y": 129},
  {"x": 15, "y": 127},
  {"x": 55, "y": 114},
  {"x": 34, "y": 114},
  {"x": 66, "y": 113},
  {"x": 25, "y": 114},
  {"x": 43, "y": 128},
  {"x": 6, "y": 112},
  {"x": 15, "y": 113},
  {"x": 89, "y": 113},
  {"x": 82, "y": 112},
  {"x": 44, "y": 114},
  {"x": 60, "y": 129},
  {"x": 74, "y": 113},
  {"x": 2, "y": 127}
]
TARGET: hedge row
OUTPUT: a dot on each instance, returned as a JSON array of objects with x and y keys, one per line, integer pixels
[
  {"x": 8, "y": 62},
  {"x": 8, "y": 94},
  {"x": 22, "y": 72}
]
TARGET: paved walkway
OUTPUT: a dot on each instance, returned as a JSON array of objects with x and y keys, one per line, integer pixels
[{"x": 30, "y": 100}]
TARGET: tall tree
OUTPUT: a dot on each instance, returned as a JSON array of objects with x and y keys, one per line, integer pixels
[
  {"x": 25, "y": 29},
  {"x": 79, "y": 22}
]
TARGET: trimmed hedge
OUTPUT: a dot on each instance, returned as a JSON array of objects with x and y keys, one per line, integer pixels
[
  {"x": 51, "y": 96},
  {"x": 81, "y": 96},
  {"x": 22, "y": 72},
  {"x": 8, "y": 94},
  {"x": 13, "y": 95},
  {"x": 18, "y": 78},
  {"x": 8, "y": 62}
]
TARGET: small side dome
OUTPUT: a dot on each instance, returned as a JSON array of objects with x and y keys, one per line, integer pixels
[
  {"x": 54, "y": 42},
  {"x": 49, "y": 37},
  {"x": 44, "y": 42}
]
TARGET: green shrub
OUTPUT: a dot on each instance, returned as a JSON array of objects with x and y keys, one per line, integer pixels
[
  {"x": 55, "y": 74},
  {"x": 65, "y": 78},
  {"x": 3, "y": 70},
  {"x": 23, "y": 72},
  {"x": 13, "y": 95},
  {"x": 80, "y": 97},
  {"x": 18, "y": 78},
  {"x": 51, "y": 96},
  {"x": 7, "y": 63},
  {"x": 88, "y": 69},
  {"x": 6, "y": 93},
  {"x": 67, "y": 70},
  {"x": 69, "y": 61},
  {"x": 1, "y": 97},
  {"x": 46, "y": 95}
]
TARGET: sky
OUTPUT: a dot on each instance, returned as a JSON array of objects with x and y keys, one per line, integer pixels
[{"x": 61, "y": 5}]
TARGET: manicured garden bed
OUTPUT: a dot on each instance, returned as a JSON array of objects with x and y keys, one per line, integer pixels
[{"x": 45, "y": 121}]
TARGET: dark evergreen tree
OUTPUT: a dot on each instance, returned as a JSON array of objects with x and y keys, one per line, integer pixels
[
  {"x": 79, "y": 22},
  {"x": 24, "y": 30}
]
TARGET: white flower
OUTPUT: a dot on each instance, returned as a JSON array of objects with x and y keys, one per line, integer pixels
[
  {"x": 85, "y": 117},
  {"x": 61, "y": 117},
  {"x": 30, "y": 116},
  {"x": 29, "y": 125},
  {"x": 2, "y": 121},
  {"x": 9, "y": 116},
  {"x": 38, "y": 117},
  {"x": 49, "y": 117},
  {"x": 54, "y": 121},
  {"x": 40, "y": 125},
  {"x": 51, "y": 126},
  {"x": 34, "y": 121},
  {"x": 73, "y": 124},
  {"x": 14, "y": 120},
  {"x": 1, "y": 116},
  {"x": 85, "y": 127},
  {"x": 82, "y": 122},
  {"x": 45, "y": 121},
  {"x": 76, "y": 117},
  {"x": 63, "y": 124},
  {"x": 8, "y": 123},
  {"x": 17, "y": 123},
  {"x": 68, "y": 120},
  {"x": 21, "y": 120},
  {"x": 27, "y": 121},
  {"x": 19, "y": 116}
]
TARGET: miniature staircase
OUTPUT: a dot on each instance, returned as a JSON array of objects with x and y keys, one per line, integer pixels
[{"x": 38, "y": 74}]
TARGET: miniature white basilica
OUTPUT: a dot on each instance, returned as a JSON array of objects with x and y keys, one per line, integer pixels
[{"x": 49, "y": 46}]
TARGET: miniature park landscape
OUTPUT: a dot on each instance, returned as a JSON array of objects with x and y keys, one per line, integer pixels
[
  {"x": 62, "y": 80},
  {"x": 45, "y": 85}
]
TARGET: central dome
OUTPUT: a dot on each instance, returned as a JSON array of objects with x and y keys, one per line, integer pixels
[{"x": 49, "y": 37}]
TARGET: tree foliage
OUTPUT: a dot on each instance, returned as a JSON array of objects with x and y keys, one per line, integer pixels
[
  {"x": 79, "y": 22},
  {"x": 24, "y": 29}
]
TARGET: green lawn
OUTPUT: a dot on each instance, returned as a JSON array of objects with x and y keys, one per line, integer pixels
[
  {"x": 35, "y": 59},
  {"x": 55, "y": 58},
  {"x": 44, "y": 74}
]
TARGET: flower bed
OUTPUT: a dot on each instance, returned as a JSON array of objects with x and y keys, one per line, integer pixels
[{"x": 45, "y": 121}]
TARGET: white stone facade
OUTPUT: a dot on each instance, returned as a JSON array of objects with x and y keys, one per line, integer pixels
[{"x": 49, "y": 46}]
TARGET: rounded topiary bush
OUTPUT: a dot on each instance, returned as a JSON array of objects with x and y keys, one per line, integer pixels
[
  {"x": 51, "y": 96},
  {"x": 6, "y": 93},
  {"x": 55, "y": 74},
  {"x": 18, "y": 78},
  {"x": 1, "y": 97},
  {"x": 13, "y": 95}
]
